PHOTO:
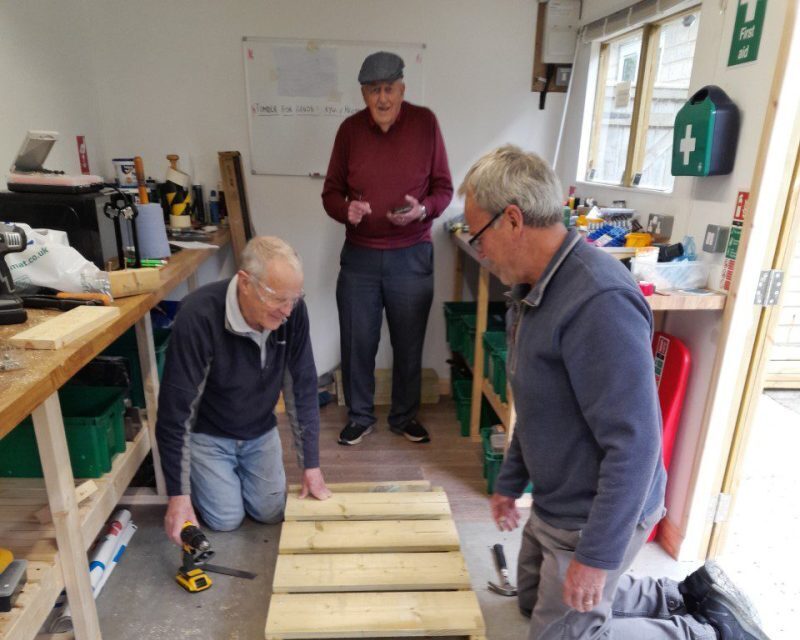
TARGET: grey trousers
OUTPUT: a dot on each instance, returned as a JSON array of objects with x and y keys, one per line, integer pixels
[
  {"x": 631, "y": 608},
  {"x": 399, "y": 281}
]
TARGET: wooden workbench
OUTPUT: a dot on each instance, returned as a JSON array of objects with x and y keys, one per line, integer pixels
[
  {"x": 57, "y": 550},
  {"x": 480, "y": 386}
]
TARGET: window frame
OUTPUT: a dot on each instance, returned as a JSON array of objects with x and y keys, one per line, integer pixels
[{"x": 640, "y": 116}]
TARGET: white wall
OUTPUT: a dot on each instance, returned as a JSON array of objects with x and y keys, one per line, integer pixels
[
  {"x": 695, "y": 202},
  {"x": 47, "y": 82},
  {"x": 178, "y": 87}
]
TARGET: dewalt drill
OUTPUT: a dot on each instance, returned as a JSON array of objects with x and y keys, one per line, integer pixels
[{"x": 197, "y": 551}]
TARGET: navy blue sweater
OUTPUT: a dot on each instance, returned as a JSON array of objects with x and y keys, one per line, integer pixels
[
  {"x": 214, "y": 383},
  {"x": 588, "y": 431}
]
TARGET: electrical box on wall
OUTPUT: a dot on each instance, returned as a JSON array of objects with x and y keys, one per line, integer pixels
[{"x": 560, "y": 31}]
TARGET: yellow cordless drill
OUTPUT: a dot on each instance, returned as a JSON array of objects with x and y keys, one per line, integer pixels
[
  {"x": 196, "y": 551},
  {"x": 193, "y": 575}
]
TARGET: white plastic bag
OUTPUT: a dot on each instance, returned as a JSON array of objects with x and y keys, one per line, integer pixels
[{"x": 48, "y": 261}]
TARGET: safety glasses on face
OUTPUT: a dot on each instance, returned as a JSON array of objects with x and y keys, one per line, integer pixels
[
  {"x": 474, "y": 241},
  {"x": 269, "y": 296}
]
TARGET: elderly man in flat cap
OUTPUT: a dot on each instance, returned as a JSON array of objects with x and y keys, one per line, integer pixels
[{"x": 387, "y": 180}]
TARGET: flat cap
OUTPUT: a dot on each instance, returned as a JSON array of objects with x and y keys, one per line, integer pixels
[{"x": 381, "y": 66}]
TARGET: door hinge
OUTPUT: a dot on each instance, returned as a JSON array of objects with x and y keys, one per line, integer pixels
[
  {"x": 720, "y": 507},
  {"x": 769, "y": 288}
]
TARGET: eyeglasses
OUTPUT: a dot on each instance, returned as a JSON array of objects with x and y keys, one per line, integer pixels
[
  {"x": 272, "y": 297},
  {"x": 474, "y": 241}
]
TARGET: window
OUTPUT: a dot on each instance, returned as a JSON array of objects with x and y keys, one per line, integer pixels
[{"x": 642, "y": 82}]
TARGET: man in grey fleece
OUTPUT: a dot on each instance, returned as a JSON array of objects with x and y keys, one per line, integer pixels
[{"x": 588, "y": 431}]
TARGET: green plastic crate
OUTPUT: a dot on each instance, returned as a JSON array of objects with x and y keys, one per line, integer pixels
[
  {"x": 94, "y": 427},
  {"x": 458, "y": 372},
  {"x": 454, "y": 311},
  {"x": 494, "y": 361},
  {"x": 467, "y": 329},
  {"x": 462, "y": 394},
  {"x": 492, "y": 462},
  {"x": 126, "y": 346}
]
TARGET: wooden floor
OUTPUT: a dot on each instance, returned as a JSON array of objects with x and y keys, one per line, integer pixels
[{"x": 449, "y": 461}]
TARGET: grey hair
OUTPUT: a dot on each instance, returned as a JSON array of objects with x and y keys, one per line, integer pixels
[
  {"x": 509, "y": 175},
  {"x": 261, "y": 250}
]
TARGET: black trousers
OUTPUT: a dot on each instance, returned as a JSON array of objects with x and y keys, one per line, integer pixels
[{"x": 399, "y": 281}]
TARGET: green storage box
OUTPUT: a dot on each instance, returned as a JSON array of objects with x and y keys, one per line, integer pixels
[
  {"x": 467, "y": 328},
  {"x": 454, "y": 311},
  {"x": 462, "y": 394},
  {"x": 494, "y": 361},
  {"x": 126, "y": 346},
  {"x": 94, "y": 427},
  {"x": 492, "y": 461}
]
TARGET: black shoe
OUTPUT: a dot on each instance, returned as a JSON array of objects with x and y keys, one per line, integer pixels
[
  {"x": 412, "y": 430},
  {"x": 353, "y": 433},
  {"x": 729, "y": 617},
  {"x": 708, "y": 579}
]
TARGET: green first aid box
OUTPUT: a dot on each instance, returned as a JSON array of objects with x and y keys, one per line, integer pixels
[{"x": 705, "y": 135}]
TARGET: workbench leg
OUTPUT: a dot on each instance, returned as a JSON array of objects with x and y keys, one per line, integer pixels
[
  {"x": 477, "y": 368},
  {"x": 149, "y": 365},
  {"x": 458, "y": 276},
  {"x": 52, "y": 441},
  {"x": 191, "y": 281}
]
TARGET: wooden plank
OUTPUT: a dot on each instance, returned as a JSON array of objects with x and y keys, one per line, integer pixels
[
  {"x": 482, "y": 309},
  {"x": 151, "y": 383},
  {"x": 52, "y": 442},
  {"x": 82, "y": 491},
  {"x": 315, "y": 573},
  {"x": 230, "y": 169},
  {"x": 64, "y": 328},
  {"x": 368, "y": 536},
  {"x": 370, "y": 506},
  {"x": 131, "y": 282},
  {"x": 374, "y": 615},
  {"x": 373, "y": 487}
]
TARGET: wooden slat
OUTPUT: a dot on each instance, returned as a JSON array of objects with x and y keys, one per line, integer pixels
[
  {"x": 370, "y": 506},
  {"x": 375, "y": 536},
  {"x": 308, "y": 573},
  {"x": 63, "y": 329},
  {"x": 373, "y": 487},
  {"x": 373, "y": 615}
]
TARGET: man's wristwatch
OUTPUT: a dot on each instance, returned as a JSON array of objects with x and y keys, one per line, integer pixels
[{"x": 424, "y": 212}]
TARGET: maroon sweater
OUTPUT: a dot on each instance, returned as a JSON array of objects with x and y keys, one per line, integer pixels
[{"x": 381, "y": 168}]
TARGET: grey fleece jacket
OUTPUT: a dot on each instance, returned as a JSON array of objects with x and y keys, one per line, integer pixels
[{"x": 588, "y": 431}]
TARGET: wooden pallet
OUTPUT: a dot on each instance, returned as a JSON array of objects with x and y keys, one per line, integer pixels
[{"x": 377, "y": 560}]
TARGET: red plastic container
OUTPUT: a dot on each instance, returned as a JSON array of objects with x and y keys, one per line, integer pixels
[{"x": 672, "y": 365}]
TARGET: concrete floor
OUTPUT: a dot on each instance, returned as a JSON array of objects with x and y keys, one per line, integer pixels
[{"x": 141, "y": 599}]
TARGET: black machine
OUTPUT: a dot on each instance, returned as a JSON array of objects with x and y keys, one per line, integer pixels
[
  {"x": 12, "y": 240},
  {"x": 88, "y": 230}
]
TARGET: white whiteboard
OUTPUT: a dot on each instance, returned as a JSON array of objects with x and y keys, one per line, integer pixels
[{"x": 299, "y": 91}]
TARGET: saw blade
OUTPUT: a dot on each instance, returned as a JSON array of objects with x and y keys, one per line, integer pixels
[{"x": 237, "y": 573}]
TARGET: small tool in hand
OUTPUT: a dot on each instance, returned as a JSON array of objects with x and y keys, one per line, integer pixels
[{"x": 505, "y": 589}]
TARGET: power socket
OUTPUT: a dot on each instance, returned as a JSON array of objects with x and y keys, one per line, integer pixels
[{"x": 660, "y": 227}]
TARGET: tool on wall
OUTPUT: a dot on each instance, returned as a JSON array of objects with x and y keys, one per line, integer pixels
[
  {"x": 121, "y": 206},
  {"x": 197, "y": 552},
  {"x": 506, "y": 588},
  {"x": 12, "y": 240}
]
